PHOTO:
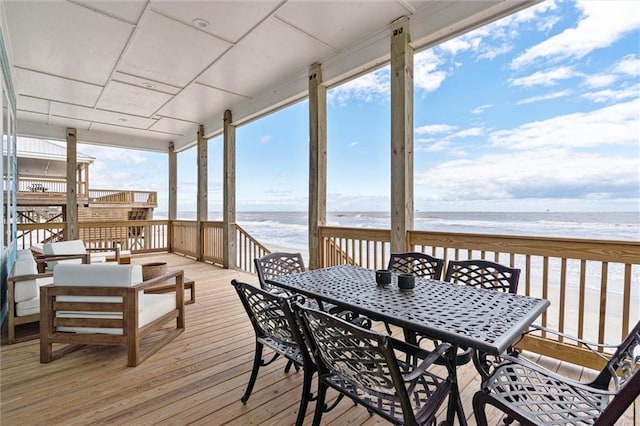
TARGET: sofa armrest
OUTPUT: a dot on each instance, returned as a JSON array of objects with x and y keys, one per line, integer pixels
[
  {"x": 42, "y": 260},
  {"x": 178, "y": 274},
  {"x": 18, "y": 278}
]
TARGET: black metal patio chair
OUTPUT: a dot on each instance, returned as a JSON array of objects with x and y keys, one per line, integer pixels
[
  {"x": 276, "y": 327},
  {"x": 363, "y": 366},
  {"x": 416, "y": 263},
  {"x": 275, "y": 265},
  {"x": 482, "y": 274},
  {"x": 533, "y": 395}
]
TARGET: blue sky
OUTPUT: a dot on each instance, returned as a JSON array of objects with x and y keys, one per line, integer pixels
[{"x": 540, "y": 110}]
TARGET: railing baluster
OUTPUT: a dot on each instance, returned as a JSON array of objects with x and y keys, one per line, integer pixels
[{"x": 603, "y": 302}]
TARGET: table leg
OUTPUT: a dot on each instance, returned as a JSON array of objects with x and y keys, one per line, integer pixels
[{"x": 455, "y": 402}]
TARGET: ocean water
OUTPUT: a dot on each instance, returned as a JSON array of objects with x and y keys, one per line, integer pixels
[{"x": 289, "y": 229}]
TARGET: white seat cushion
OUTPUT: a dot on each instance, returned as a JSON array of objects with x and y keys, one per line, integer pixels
[
  {"x": 155, "y": 306},
  {"x": 31, "y": 306}
]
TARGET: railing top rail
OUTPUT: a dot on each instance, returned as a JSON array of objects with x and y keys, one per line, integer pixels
[
  {"x": 579, "y": 248},
  {"x": 342, "y": 232},
  {"x": 250, "y": 238}
]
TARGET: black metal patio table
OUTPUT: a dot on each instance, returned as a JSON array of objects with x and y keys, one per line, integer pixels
[{"x": 488, "y": 321}]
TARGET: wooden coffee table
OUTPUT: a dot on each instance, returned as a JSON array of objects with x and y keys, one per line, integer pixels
[{"x": 170, "y": 285}]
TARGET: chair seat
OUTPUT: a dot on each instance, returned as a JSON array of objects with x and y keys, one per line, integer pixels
[
  {"x": 386, "y": 398},
  {"x": 155, "y": 306},
  {"x": 28, "y": 307},
  {"x": 544, "y": 398}
]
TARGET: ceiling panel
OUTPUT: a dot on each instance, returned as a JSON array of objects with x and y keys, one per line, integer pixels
[
  {"x": 167, "y": 51},
  {"x": 197, "y": 103},
  {"x": 107, "y": 128},
  {"x": 69, "y": 122},
  {"x": 33, "y": 104},
  {"x": 174, "y": 126},
  {"x": 101, "y": 116},
  {"x": 32, "y": 117},
  {"x": 45, "y": 86},
  {"x": 353, "y": 21},
  {"x": 129, "y": 10},
  {"x": 229, "y": 20},
  {"x": 145, "y": 82},
  {"x": 272, "y": 52},
  {"x": 131, "y": 99},
  {"x": 64, "y": 39}
]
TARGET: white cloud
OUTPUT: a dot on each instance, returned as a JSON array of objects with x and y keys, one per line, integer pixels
[
  {"x": 629, "y": 65},
  {"x": 473, "y": 131},
  {"x": 432, "y": 145},
  {"x": 602, "y": 24},
  {"x": 548, "y": 77},
  {"x": 434, "y": 128},
  {"x": 480, "y": 109},
  {"x": 265, "y": 139},
  {"x": 367, "y": 88},
  {"x": 354, "y": 143},
  {"x": 616, "y": 124},
  {"x": 544, "y": 174},
  {"x": 426, "y": 72},
  {"x": 609, "y": 95},
  {"x": 103, "y": 153},
  {"x": 456, "y": 45},
  {"x": 600, "y": 80},
  {"x": 554, "y": 95}
]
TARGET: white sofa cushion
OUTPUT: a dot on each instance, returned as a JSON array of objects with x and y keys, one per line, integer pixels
[
  {"x": 65, "y": 247},
  {"x": 100, "y": 275},
  {"x": 25, "y": 265},
  {"x": 155, "y": 306}
]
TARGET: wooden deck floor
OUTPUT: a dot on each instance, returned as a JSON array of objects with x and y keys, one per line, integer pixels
[{"x": 196, "y": 379}]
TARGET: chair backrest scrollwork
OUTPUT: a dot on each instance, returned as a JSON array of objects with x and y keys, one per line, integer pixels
[
  {"x": 277, "y": 264},
  {"x": 416, "y": 263},
  {"x": 483, "y": 274}
]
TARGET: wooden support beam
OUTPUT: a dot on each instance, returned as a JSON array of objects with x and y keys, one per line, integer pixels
[
  {"x": 401, "y": 134},
  {"x": 229, "y": 193},
  {"x": 173, "y": 192},
  {"x": 72, "y": 186},
  {"x": 317, "y": 162},
  {"x": 202, "y": 198},
  {"x": 173, "y": 182}
]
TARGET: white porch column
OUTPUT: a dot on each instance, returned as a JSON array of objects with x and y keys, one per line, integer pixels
[
  {"x": 229, "y": 193},
  {"x": 71, "y": 215},
  {"x": 401, "y": 134},
  {"x": 317, "y": 162},
  {"x": 202, "y": 203}
]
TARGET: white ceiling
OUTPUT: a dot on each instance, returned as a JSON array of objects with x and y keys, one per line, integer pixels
[{"x": 138, "y": 73}]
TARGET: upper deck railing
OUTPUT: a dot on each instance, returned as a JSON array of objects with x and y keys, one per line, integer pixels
[
  {"x": 54, "y": 191},
  {"x": 593, "y": 285}
]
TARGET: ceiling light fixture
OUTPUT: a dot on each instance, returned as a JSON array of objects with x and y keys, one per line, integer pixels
[
  {"x": 201, "y": 23},
  {"x": 147, "y": 85}
]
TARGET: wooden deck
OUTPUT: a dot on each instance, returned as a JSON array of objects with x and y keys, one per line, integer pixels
[{"x": 196, "y": 379}]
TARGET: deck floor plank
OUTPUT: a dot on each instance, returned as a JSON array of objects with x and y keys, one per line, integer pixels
[{"x": 196, "y": 379}]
